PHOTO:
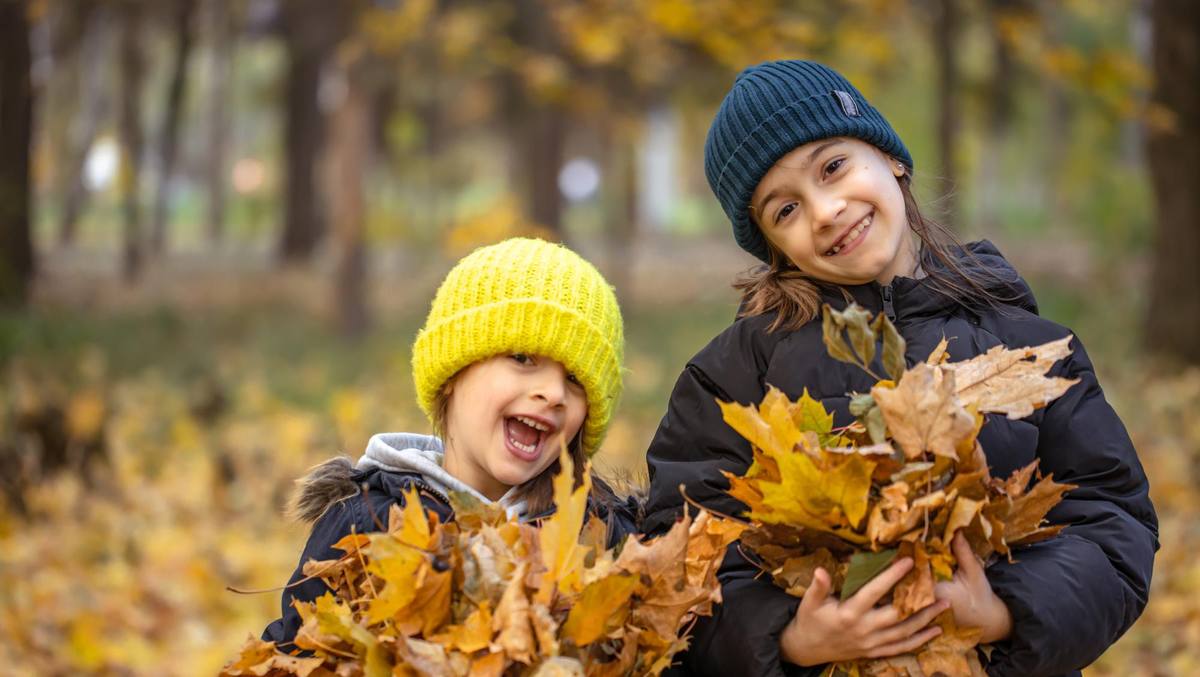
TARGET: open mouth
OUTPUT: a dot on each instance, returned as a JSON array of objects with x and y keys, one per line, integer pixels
[
  {"x": 852, "y": 236},
  {"x": 526, "y": 436}
]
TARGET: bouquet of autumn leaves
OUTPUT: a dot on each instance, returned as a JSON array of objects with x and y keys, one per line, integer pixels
[
  {"x": 899, "y": 482},
  {"x": 485, "y": 595}
]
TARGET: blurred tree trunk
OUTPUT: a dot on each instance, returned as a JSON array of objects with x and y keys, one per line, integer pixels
[
  {"x": 90, "y": 113},
  {"x": 543, "y": 139},
  {"x": 311, "y": 29},
  {"x": 349, "y": 152},
  {"x": 945, "y": 53},
  {"x": 169, "y": 136},
  {"x": 1000, "y": 99},
  {"x": 220, "y": 77},
  {"x": 1173, "y": 329},
  {"x": 626, "y": 229},
  {"x": 16, "y": 133},
  {"x": 132, "y": 73},
  {"x": 540, "y": 126}
]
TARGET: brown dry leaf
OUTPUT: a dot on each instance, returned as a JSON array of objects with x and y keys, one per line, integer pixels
[
  {"x": 922, "y": 412},
  {"x": 796, "y": 573},
  {"x": 621, "y": 663},
  {"x": 904, "y": 665},
  {"x": 512, "y": 621},
  {"x": 559, "y": 666},
  {"x": 260, "y": 658},
  {"x": 963, "y": 512},
  {"x": 1029, "y": 509},
  {"x": 884, "y": 531},
  {"x": 668, "y": 596},
  {"x": 915, "y": 591},
  {"x": 428, "y": 659},
  {"x": 708, "y": 539},
  {"x": 1018, "y": 482},
  {"x": 545, "y": 628},
  {"x": 1012, "y": 381},
  {"x": 895, "y": 496},
  {"x": 972, "y": 485},
  {"x": 656, "y": 557},
  {"x": 951, "y": 653}
]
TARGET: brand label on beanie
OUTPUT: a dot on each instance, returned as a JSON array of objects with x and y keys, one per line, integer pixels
[{"x": 848, "y": 106}]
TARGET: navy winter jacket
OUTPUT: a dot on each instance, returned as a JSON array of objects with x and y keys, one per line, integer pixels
[{"x": 1070, "y": 597}]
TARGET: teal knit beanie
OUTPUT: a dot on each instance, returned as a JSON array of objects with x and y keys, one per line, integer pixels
[{"x": 772, "y": 109}]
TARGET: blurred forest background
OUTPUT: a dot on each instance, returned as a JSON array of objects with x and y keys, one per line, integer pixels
[{"x": 221, "y": 222}]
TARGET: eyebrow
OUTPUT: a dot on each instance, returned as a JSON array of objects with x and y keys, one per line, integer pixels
[{"x": 759, "y": 209}]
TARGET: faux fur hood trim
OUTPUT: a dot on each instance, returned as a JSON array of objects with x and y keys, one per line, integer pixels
[{"x": 321, "y": 487}]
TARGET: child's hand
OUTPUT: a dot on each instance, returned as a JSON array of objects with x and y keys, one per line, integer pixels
[
  {"x": 971, "y": 596},
  {"x": 825, "y": 630}
]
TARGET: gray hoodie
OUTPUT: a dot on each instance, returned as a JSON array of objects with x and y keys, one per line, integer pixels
[
  {"x": 393, "y": 452},
  {"x": 424, "y": 454}
]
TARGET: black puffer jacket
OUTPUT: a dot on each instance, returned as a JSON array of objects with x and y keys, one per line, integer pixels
[
  {"x": 334, "y": 496},
  {"x": 1070, "y": 597}
]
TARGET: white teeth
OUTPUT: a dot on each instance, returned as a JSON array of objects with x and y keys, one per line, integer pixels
[
  {"x": 850, "y": 236},
  {"x": 527, "y": 448},
  {"x": 532, "y": 423}
]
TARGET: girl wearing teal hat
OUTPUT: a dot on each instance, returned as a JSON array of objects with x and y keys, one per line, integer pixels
[
  {"x": 817, "y": 185},
  {"x": 520, "y": 354}
]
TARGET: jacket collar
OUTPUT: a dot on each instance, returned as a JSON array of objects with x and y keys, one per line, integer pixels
[{"x": 913, "y": 298}]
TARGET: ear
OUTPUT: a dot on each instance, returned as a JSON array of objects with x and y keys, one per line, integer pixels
[{"x": 898, "y": 168}]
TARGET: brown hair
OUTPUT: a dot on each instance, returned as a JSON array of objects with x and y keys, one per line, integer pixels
[
  {"x": 537, "y": 492},
  {"x": 796, "y": 298}
]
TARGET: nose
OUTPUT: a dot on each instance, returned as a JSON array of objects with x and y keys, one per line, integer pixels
[
  {"x": 826, "y": 208},
  {"x": 550, "y": 384}
]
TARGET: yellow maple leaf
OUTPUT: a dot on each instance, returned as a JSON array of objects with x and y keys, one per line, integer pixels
[
  {"x": 397, "y": 556},
  {"x": 602, "y": 607},
  {"x": 562, "y": 554},
  {"x": 810, "y": 415},
  {"x": 805, "y": 493},
  {"x": 769, "y": 426},
  {"x": 473, "y": 634}
]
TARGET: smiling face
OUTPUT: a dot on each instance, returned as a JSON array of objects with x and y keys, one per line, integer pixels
[
  {"x": 507, "y": 418},
  {"x": 834, "y": 207}
]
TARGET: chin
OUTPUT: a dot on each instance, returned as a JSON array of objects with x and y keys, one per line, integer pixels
[{"x": 506, "y": 474}]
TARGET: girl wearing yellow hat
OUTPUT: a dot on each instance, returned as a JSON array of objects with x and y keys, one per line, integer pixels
[{"x": 520, "y": 354}]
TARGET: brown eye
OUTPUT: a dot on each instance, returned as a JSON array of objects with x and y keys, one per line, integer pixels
[
  {"x": 521, "y": 358},
  {"x": 833, "y": 166},
  {"x": 786, "y": 211}
]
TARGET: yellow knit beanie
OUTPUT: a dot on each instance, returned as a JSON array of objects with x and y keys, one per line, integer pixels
[{"x": 527, "y": 296}]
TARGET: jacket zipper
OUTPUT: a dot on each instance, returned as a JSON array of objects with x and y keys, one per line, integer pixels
[
  {"x": 888, "y": 308},
  {"x": 422, "y": 487}
]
